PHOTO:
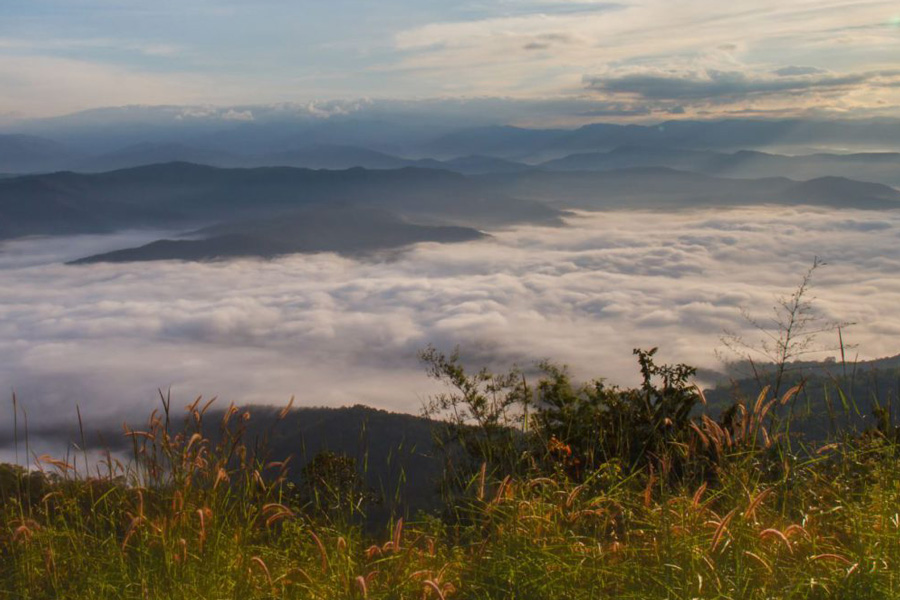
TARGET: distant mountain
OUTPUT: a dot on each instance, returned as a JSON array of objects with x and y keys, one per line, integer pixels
[
  {"x": 393, "y": 451},
  {"x": 723, "y": 135},
  {"x": 331, "y": 157},
  {"x": 654, "y": 187},
  {"x": 148, "y": 153},
  {"x": 388, "y": 135},
  {"x": 321, "y": 156},
  {"x": 625, "y": 157},
  {"x": 186, "y": 196},
  {"x": 110, "y": 139},
  {"x": 182, "y": 195},
  {"x": 27, "y": 154},
  {"x": 835, "y": 397},
  {"x": 347, "y": 230},
  {"x": 497, "y": 141},
  {"x": 348, "y": 157},
  {"x": 30, "y": 154},
  {"x": 883, "y": 167},
  {"x": 840, "y": 192},
  {"x": 477, "y": 165},
  {"x": 440, "y": 130},
  {"x": 61, "y": 204}
]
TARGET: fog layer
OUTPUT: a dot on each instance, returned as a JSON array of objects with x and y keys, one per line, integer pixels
[{"x": 337, "y": 331}]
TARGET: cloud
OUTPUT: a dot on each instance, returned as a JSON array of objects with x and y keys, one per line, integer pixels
[
  {"x": 335, "y": 331},
  {"x": 660, "y": 52},
  {"x": 433, "y": 116},
  {"x": 619, "y": 109},
  {"x": 237, "y": 115},
  {"x": 712, "y": 84},
  {"x": 54, "y": 61},
  {"x": 793, "y": 71}
]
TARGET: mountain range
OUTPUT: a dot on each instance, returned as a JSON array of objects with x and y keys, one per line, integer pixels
[
  {"x": 237, "y": 185},
  {"x": 29, "y": 154},
  {"x": 880, "y": 167},
  {"x": 436, "y": 130},
  {"x": 722, "y": 135},
  {"x": 278, "y": 210},
  {"x": 664, "y": 188}
]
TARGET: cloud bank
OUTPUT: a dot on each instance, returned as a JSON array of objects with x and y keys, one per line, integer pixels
[
  {"x": 335, "y": 331},
  {"x": 714, "y": 85},
  {"x": 720, "y": 58}
]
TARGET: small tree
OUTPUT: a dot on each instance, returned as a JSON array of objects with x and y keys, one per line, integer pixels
[
  {"x": 501, "y": 422},
  {"x": 483, "y": 416},
  {"x": 789, "y": 334},
  {"x": 634, "y": 426}
]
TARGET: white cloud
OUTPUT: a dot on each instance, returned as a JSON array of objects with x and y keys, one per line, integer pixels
[
  {"x": 238, "y": 115},
  {"x": 336, "y": 331},
  {"x": 537, "y": 53},
  {"x": 525, "y": 49}
]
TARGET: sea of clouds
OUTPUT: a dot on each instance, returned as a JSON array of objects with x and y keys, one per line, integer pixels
[{"x": 338, "y": 331}]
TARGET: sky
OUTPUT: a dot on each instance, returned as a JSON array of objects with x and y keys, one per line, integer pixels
[{"x": 627, "y": 60}]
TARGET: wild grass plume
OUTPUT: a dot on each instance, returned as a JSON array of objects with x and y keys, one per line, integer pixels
[{"x": 548, "y": 490}]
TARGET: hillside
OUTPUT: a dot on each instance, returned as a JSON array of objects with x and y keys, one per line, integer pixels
[
  {"x": 719, "y": 135},
  {"x": 655, "y": 187},
  {"x": 272, "y": 211},
  {"x": 182, "y": 195},
  {"x": 26, "y": 153},
  {"x": 331, "y": 229},
  {"x": 148, "y": 153},
  {"x": 883, "y": 167}
]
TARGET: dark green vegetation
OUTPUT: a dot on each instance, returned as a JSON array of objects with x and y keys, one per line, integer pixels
[
  {"x": 543, "y": 488},
  {"x": 833, "y": 398}
]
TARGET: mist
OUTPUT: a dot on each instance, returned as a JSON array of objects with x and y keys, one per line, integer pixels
[{"x": 335, "y": 331}]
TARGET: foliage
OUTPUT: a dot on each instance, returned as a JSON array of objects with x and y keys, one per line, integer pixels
[
  {"x": 334, "y": 486},
  {"x": 600, "y": 492},
  {"x": 603, "y": 423},
  {"x": 787, "y": 336},
  {"x": 483, "y": 413}
]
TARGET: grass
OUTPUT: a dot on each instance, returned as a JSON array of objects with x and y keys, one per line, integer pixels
[{"x": 728, "y": 511}]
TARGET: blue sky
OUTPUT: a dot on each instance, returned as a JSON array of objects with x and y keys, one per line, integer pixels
[{"x": 632, "y": 59}]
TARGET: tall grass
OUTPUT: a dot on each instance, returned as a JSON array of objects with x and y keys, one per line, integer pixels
[{"x": 725, "y": 509}]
